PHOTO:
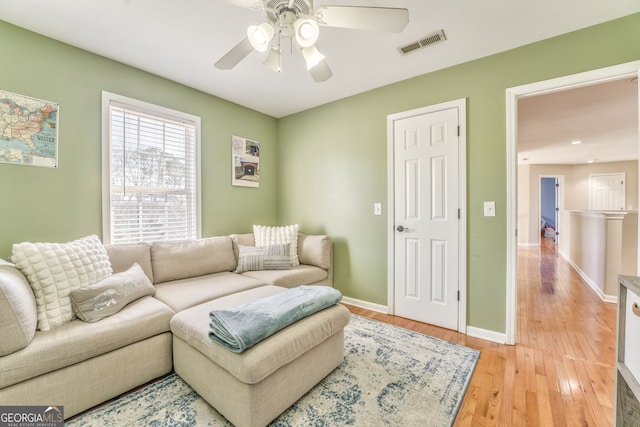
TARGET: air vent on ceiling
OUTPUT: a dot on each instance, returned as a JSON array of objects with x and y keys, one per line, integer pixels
[{"x": 429, "y": 40}]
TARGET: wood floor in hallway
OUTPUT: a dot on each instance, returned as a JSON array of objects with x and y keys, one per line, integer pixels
[{"x": 561, "y": 372}]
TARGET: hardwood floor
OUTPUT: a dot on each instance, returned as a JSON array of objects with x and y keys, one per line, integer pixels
[{"x": 561, "y": 372}]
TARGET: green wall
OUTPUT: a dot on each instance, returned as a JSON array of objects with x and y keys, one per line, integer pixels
[
  {"x": 323, "y": 168},
  {"x": 334, "y": 165},
  {"x": 44, "y": 204}
]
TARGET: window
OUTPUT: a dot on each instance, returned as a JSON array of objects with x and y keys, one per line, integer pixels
[{"x": 151, "y": 173}]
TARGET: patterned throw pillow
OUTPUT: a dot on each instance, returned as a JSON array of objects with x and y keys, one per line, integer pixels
[
  {"x": 55, "y": 269},
  {"x": 267, "y": 235},
  {"x": 108, "y": 296},
  {"x": 255, "y": 258}
]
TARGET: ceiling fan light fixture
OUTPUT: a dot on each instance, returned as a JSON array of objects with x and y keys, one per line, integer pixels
[
  {"x": 307, "y": 32},
  {"x": 273, "y": 60},
  {"x": 260, "y": 36},
  {"x": 299, "y": 21},
  {"x": 312, "y": 56}
]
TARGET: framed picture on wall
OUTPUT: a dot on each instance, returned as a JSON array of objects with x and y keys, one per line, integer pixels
[
  {"x": 28, "y": 130},
  {"x": 245, "y": 162}
]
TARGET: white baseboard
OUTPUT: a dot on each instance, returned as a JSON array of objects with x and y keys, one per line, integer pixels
[
  {"x": 485, "y": 334},
  {"x": 366, "y": 305},
  {"x": 604, "y": 297},
  {"x": 529, "y": 245}
]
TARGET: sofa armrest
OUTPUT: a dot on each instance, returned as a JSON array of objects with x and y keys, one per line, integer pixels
[
  {"x": 317, "y": 250},
  {"x": 246, "y": 239},
  {"x": 18, "y": 315}
]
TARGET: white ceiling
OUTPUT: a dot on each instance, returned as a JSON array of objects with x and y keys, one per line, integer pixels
[
  {"x": 603, "y": 117},
  {"x": 182, "y": 39}
]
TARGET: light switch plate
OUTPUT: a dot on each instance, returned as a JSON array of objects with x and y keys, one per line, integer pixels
[
  {"x": 377, "y": 208},
  {"x": 489, "y": 208}
]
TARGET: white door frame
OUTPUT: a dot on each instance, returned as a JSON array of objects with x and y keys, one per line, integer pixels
[
  {"x": 461, "y": 104},
  {"x": 602, "y": 75}
]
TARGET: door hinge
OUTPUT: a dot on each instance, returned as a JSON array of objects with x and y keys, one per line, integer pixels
[
  {"x": 458, "y": 295},
  {"x": 458, "y": 213},
  {"x": 557, "y": 185},
  {"x": 458, "y": 130}
]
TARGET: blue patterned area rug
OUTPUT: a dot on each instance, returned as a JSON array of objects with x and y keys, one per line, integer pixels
[{"x": 390, "y": 377}]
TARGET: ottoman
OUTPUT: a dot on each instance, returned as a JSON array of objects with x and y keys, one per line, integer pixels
[{"x": 254, "y": 387}]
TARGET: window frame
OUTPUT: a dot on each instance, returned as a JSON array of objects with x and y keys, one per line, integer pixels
[{"x": 162, "y": 113}]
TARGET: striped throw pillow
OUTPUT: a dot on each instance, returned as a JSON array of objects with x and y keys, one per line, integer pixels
[{"x": 255, "y": 258}]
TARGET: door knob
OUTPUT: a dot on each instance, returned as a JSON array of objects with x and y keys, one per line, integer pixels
[{"x": 401, "y": 228}]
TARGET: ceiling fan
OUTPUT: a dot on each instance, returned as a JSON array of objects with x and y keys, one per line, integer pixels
[{"x": 299, "y": 21}]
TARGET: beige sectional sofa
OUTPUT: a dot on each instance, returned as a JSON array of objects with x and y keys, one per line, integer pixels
[{"x": 81, "y": 364}]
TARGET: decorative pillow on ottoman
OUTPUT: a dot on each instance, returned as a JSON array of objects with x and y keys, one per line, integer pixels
[
  {"x": 267, "y": 236},
  {"x": 55, "y": 269},
  {"x": 107, "y": 297}
]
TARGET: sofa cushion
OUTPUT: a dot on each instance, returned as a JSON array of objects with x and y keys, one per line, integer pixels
[
  {"x": 110, "y": 295},
  {"x": 241, "y": 239},
  {"x": 78, "y": 341},
  {"x": 300, "y": 275},
  {"x": 55, "y": 269},
  {"x": 185, "y": 293},
  {"x": 273, "y": 257},
  {"x": 315, "y": 250},
  {"x": 18, "y": 315},
  {"x": 266, "y": 235},
  {"x": 123, "y": 256},
  {"x": 174, "y": 261}
]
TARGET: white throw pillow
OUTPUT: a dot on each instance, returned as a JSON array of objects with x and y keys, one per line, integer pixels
[
  {"x": 265, "y": 235},
  {"x": 55, "y": 269}
]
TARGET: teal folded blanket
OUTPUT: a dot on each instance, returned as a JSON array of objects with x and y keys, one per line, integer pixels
[{"x": 241, "y": 327}]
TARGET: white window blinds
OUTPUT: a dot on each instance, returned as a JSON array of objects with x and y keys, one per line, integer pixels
[{"x": 153, "y": 182}]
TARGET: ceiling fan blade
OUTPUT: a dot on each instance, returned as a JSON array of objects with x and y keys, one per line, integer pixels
[
  {"x": 321, "y": 72},
  {"x": 363, "y": 18},
  {"x": 235, "y": 55},
  {"x": 247, "y": 4}
]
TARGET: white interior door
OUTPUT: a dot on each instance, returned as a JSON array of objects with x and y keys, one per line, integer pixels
[
  {"x": 426, "y": 211},
  {"x": 607, "y": 192}
]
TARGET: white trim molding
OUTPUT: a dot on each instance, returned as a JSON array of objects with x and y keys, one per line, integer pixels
[
  {"x": 487, "y": 335},
  {"x": 529, "y": 245},
  {"x": 379, "y": 308},
  {"x": 593, "y": 285},
  {"x": 588, "y": 78},
  {"x": 472, "y": 331},
  {"x": 461, "y": 104}
]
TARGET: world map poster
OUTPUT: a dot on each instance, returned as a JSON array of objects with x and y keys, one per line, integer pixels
[{"x": 28, "y": 130}]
